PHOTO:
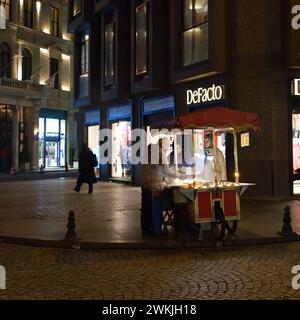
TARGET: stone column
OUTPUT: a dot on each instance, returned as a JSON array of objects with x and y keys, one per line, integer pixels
[
  {"x": 15, "y": 138},
  {"x": 35, "y": 145},
  {"x": 69, "y": 136}
]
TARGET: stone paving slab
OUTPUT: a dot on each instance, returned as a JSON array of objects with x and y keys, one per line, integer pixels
[
  {"x": 37, "y": 211},
  {"x": 259, "y": 273}
]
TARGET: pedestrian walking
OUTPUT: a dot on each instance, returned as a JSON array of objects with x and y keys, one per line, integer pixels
[{"x": 87, "y": 163}]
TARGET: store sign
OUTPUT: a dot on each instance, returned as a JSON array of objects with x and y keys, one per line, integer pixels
[
  {"x": 296, "y": 87},
  {"x": 119, "y": 112},
  {"x": 245, "y": 140},
  {"x": 159, "y": 104},
  {"x": 205, "y": 95},
  {"x": 2, "y": 17},
  {"x": 92, "y": 117}
]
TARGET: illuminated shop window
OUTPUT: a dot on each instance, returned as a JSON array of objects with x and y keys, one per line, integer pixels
[
  {"x": 52, "y": 142},
  {"x": 121, "y": 149}
]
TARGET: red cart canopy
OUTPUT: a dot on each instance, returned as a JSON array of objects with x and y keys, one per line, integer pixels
[{"x": 219, "y": 118}]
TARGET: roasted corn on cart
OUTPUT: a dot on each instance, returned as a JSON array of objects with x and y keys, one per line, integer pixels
[{"x": 214, "y": 203}]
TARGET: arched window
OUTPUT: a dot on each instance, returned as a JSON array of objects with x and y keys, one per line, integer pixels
[
  {"x": 5, "y": 60},
  {"x": 26, "y": 64}
]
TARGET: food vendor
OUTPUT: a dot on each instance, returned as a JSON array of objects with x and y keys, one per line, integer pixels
[{"x": 213, "y": 169}]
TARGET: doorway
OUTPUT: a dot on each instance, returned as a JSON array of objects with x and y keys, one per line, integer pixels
[
  {"x": 94, "y": 143},
  {"x": 121, "y": 149},
  {"x": 52, "y": 154}
]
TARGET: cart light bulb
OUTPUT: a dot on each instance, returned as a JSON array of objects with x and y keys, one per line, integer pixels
[{"x": 237, "y": 174}]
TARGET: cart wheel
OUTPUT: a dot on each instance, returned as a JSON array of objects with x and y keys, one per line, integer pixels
[
  {"x": 219, "y": 226},
  {"x": 231, "y": 226}
]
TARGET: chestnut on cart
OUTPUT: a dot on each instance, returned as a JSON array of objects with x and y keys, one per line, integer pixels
[{"x": 202, "y": 189}]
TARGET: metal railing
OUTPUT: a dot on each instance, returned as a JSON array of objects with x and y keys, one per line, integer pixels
[{"x": 16, "y": 84}]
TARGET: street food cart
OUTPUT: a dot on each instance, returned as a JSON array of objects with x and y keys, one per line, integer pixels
[{"x": 211, "y": 203}]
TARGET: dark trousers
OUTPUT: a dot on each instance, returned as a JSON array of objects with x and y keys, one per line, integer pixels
[
  {"x": 79, "y": 184},
  {"x": 152, "y": 212}
]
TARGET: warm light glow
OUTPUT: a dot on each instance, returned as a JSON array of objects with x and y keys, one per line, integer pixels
[
  {"x": 20, "y": 73},
  {"x": 66, "y": 36},
  {"x": 65, "y": 57},
  {"x": 296, "y": 87},
  {"x": 44, "y": 51},
  {"x": 245, "y": 140},
  {"x": 46, "y": 30},
  {"x": 86, "y": 37},
  {"x": 237, "y": 174},
  {"x": 65, "y": 88},
  {"x": 38, "y": 7}
]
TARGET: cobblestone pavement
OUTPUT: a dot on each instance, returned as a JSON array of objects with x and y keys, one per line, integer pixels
[
  {"x": 248, "y": 273},
  {"x": 39, "y": 210}
]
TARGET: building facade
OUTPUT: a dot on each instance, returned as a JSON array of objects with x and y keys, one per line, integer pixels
[
  {"x": 36, "y": 108},
  {"x": 140, "y": 61}
]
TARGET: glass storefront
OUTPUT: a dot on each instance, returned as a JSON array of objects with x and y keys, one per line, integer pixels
[
  {"x": 121, "y": 139},
  {"x": 52, "y": 142},
  {"x": 296, "y": 152},
  {"x": 92, "y": 122},
  {"x": 93, "y": 142}
]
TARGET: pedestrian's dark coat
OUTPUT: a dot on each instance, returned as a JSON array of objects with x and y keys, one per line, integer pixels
[{"x": 87, "y": 163}]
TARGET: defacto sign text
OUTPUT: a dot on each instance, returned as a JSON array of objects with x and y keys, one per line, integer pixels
[{"x": 205, "y": 95}]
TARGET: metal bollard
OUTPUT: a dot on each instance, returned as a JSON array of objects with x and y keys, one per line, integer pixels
[
  {"x": 66, "y": 167},
  {"x": 71, "y": 233},
  {"x": 287, "y": 230}
]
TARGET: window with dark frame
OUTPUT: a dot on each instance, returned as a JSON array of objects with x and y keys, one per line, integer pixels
[
  {"x": 28, "y": 13},
  {"x": 141, "y": 39},
  {"x": 109, "y": 53},
  {"x": 7, "y": 6},
  {"x": 54, "y": 73},
  {"x": 195, "y": 31},
  {"x": 26, "y": 64},
  {"x": 76, "y": 7},
  {"x": 5, "y": 61},
  {"x": 84, "y": 54},
  {"x": 54, "y": 22}
]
